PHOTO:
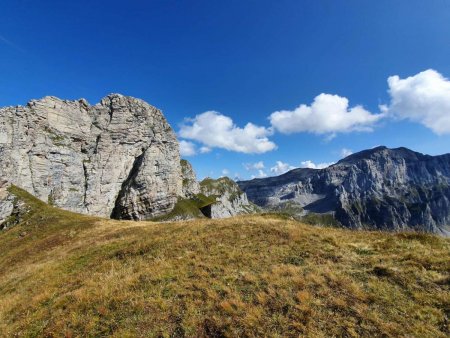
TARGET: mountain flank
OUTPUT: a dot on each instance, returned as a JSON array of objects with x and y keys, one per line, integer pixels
[{"x": 379, "y": 188}]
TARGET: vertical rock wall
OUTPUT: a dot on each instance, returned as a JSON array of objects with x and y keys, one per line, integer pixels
[{"x": 118, "y": 158}]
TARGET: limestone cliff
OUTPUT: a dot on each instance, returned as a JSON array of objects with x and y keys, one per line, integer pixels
[
  {"x": 380, "y": 188},
  {"x": 118, "y": 158}
]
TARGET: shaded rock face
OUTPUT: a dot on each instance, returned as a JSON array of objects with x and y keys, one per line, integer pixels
[
  {"x": 12, "y": 210},
  {"x": 380, "y": 188},
  {"x": 230, "y": 200},
  {"x": 6, "y": 204},
  {"x": 118, "y": 158}
]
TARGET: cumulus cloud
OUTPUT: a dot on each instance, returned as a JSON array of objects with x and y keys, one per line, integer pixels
[
  {"x": 225, "y": 172},
  {"x": 213, "y": 129},
  {"x": 310, "y": 164},
  {"x": 328, "y": 114},
  {"x": 253, "y": 166},
  {"x": 346, "y": 152},
  {"x": 261, "y": 174},
  {"x": 187, "y": 148},
  {"x": 281, "y": 167},
  {"x": 423, "y": 98}
]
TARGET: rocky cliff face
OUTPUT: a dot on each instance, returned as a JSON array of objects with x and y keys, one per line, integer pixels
[
  {"x": 191, "y": 187},
  {"x": 12, "y": 209},
  {"x": 6, "y": 204},
  {"x": 118, "y": 158},
  {"x": 380, "y": 188},
  {"x": 230, "y": 200}
]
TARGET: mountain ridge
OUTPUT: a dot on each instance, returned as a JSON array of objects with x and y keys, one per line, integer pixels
[{"x": 379, "y": 188}]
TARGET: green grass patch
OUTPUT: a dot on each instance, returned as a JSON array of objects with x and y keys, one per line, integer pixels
[
  {"x": 320, "y": 219},
  {"x": 187, "y": 208}
]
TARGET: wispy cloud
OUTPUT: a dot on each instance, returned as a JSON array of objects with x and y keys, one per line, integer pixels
[
  {"x": 311, "y": 165},
  {"x": 187, "y": 148},
  {"x": 10, "y": 43},
  {"x": 281, "y": 167}
]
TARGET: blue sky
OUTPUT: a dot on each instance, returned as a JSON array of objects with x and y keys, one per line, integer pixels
[{"x": 229, "y": 63}]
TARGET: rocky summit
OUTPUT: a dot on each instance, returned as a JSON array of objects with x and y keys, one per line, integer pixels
[{"x": 380, "y": 188}]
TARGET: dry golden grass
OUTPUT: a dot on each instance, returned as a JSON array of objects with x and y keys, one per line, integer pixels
[{"x": 63, "y": 274}]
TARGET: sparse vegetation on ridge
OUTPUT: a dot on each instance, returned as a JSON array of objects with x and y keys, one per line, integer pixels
[
  {"x": 64, "y": 274},
  {"x": 219, "y": 186},
  {"x": 187, "y": 208}
]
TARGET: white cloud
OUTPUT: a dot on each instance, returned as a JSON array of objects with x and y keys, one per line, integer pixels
[
  {"x": 346, "y": 152},
  {"x": 187, "y": 148},
  {"x": 280, "y": 168},
  {"x": 310, "y": 164},
  {"x": 225, "y": 172},
  {"x": 423, "y": 98},
  {"x": 204, "y": 150},
  {"x": 328, "y": 114},
  {"x": 216, "y": 130},
  {"x": 253, "y": 166},
  {"x": 261, "y": 174}
]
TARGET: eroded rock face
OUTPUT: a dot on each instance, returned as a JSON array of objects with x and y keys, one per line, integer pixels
[
  {"x": 380, "y": 188},
  {"x": 12, "y": 209},
  {"x": 191, "y": 187},
  {"x": 6, "y": 203},
  {"x": 230, "y": 200},
  {"x": 118, "y": 158}
]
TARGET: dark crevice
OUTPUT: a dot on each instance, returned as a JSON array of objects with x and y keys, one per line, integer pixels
[
  {"x": 206, "y": 211},
  {"x": 111, "y": 110},
  {"x": 97, "y": 141},
  {"x": 85, "y": 173},
  {"x": 118, "y": 211}
]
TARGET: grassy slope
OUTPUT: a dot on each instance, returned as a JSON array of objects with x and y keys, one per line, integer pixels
[{"x": 66, "y": 274}]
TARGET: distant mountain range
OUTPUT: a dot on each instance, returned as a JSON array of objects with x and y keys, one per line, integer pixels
[
  {"x": 379, "y": 188},
  {"x": 120, "y": 158}
]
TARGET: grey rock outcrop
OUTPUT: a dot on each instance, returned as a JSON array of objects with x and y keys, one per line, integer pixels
[
  {"x": 380, "y": 188},
  {"x": 230, "y": 199},
  {"x": 6, "y": 204},
  {"x": 12, "y": 209},
  {"x": 191, "y": 187},
  {"x": 118, "y": 158}
]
